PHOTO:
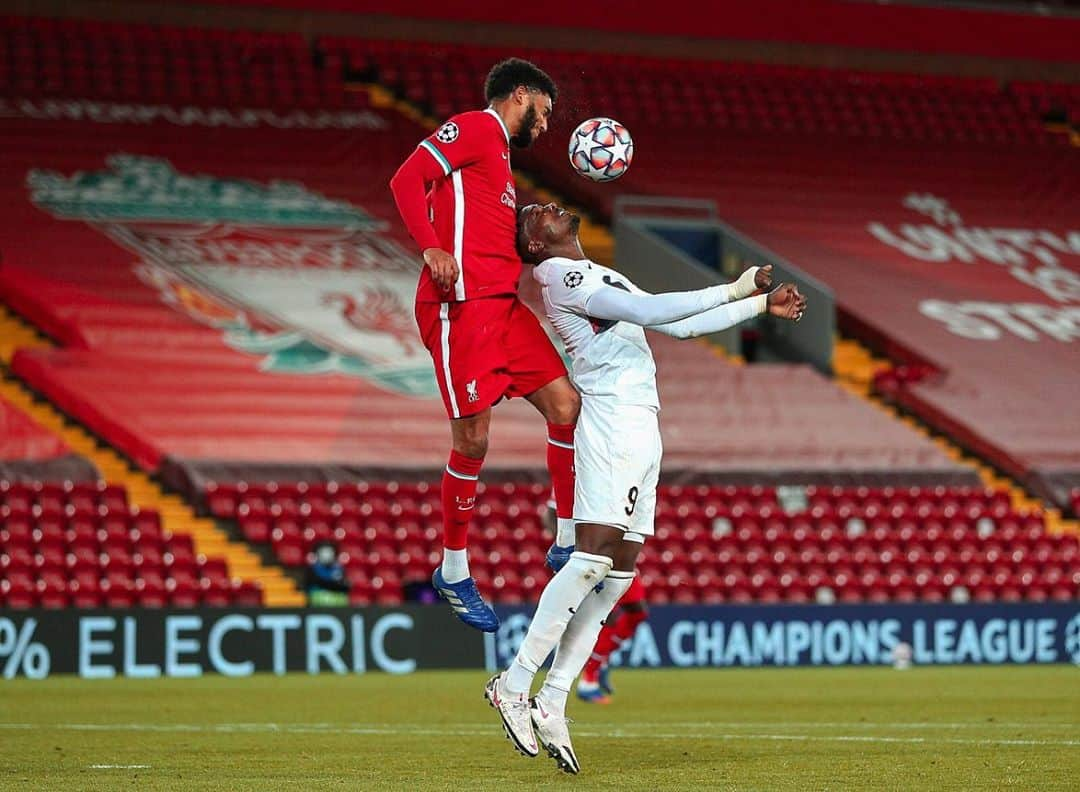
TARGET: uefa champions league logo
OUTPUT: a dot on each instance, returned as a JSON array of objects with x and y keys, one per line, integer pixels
[
  {"x": 447, "y": 133},
  {"x": 509, "y": 637},
  {"x": 1072, "y": 638}
]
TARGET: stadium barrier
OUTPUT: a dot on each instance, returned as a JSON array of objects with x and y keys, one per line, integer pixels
[
  {"x": 749, "y": 636},
  {"x": 672, "y": 244},
  {"x": 402, "y": 640},
  {"x": 233, "y": 642}
]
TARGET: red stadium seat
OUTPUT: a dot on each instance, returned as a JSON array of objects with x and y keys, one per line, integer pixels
[
  {"x": 247, "y": 594},
  {"x": 18, "y": 594},
  {"x": 118, "y": 593},
  {"x": 84, "y": 593},
  {"x": 183, "y": 593}
]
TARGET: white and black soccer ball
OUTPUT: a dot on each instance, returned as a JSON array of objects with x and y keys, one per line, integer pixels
[{"x": 601, "y": 149}]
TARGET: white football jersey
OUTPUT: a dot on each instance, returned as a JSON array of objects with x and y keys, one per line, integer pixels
[{"x": 610, "y": 359}]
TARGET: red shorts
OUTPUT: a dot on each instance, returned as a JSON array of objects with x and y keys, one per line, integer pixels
[{"x": 485, "y": 350}]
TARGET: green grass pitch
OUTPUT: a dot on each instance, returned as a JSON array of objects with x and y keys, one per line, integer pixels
[{"x": 976, "y": 728}]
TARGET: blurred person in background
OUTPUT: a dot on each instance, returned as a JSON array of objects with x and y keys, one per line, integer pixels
[{"x": 324, "y": 582}]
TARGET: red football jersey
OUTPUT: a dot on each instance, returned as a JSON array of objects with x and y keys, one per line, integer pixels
[{"x": 474, "y": 207}]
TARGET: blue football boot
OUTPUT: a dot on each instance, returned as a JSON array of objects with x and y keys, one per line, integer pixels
[
  {"x": 603, "y": 679},
  {"x": 466, "y": 601},
  {"x": 558, "y": 556}
]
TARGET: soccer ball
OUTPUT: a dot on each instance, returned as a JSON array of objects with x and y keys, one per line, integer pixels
[{"x": 601, "y": 149}]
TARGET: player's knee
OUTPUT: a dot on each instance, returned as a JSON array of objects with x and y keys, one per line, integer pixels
[
  {"x": 592, "y": 567},
  {"x": 472, "y": 442},
  {"x": 565, "y": 408},
  {"x": 569, "y": 406}
]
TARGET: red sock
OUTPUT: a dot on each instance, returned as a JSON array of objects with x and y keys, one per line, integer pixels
[
  {"x": 458, "y": 498},
  {"x": 612, "y": 636},
  {"x": 634, "y": 594},
  {"x": 560, "y": 462}
]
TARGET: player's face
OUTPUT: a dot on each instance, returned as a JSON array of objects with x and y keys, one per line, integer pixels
[
  {"x": 550, "y": 223},
  {"x": 534, "y": 119}
]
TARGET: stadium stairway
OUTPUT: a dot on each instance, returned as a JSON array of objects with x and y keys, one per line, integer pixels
[
  {"x": 855, "y": 366},
  {"x": 279, "y": 589}
]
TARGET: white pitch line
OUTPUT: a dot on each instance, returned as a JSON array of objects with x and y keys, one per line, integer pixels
[
  {"x": 869, "y": 724},
  {"x": 118, "y": 767},
  {"x": 473, "y": 730},
  {"x": 822, "y": 738},
  {"x": 404, "y": 727}
]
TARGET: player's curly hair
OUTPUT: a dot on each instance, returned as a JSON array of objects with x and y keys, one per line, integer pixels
[{"x": 507, "y": 75}]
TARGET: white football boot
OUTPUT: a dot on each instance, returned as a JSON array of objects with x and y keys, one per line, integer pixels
[
  {"x": 514, "y": 711},
  {"x": 553, "y": 734}
]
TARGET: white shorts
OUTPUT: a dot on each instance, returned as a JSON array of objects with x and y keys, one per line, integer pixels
[{"x": 617, "y": 452}]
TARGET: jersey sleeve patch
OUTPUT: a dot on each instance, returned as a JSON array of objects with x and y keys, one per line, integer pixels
[
  {"x": 448, "y": 132},
  {"x": 461, "y": 141},
  {"x": 571, "y": 289}
]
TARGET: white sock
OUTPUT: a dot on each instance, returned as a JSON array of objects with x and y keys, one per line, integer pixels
[
  {"x": 554, "y": 699},
  {"x": 565, "y": 535},
  {"x": 455, "y": 565},
  {"x": 580, "y": 635},
  {"x": 561, "y": 599}
]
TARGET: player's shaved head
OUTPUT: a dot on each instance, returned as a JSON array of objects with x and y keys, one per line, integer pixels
[
  {"x": 546, "y": 230},
  {"x": 523, "y": 234}
]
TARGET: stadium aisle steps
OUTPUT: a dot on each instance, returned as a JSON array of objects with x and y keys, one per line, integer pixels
[
  {"x": 279, "y": 590},
  {"x": 16, "y": 335},
  {"x": 854, "y": 367}
]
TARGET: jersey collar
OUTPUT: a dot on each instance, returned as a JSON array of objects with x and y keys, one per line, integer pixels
[{"x": 506, "y": 132}]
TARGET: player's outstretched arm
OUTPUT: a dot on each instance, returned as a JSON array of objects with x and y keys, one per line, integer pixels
[
  {"x": 785, "y": 301},
  {"x": 409, "y": 187},
  {"x": 641, "y": 308}
]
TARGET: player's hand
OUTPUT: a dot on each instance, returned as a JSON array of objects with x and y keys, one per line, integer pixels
[
  {"x": 763, "y": 277},
  {"x": 786, "y": 302},
  {"x": 443, "y": 266}
]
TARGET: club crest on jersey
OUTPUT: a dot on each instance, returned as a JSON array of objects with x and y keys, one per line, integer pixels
[
  {"x": 573, "y": 279},
  {"x": 509, "y": 196},
  {"x": 447, "y": 133}
]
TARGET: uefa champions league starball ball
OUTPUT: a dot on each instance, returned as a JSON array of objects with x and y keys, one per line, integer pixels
[{"x": 601, "y": 149}]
